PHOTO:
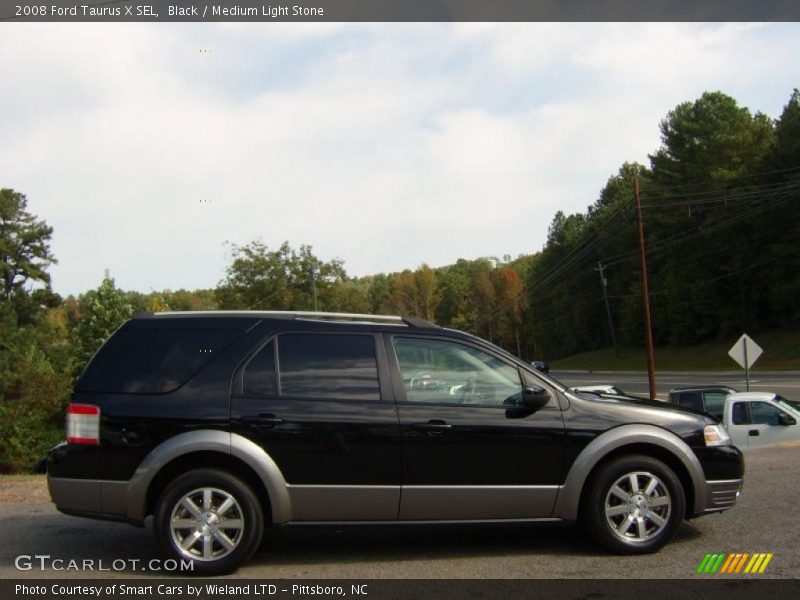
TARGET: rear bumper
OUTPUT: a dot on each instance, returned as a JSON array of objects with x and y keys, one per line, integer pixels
[{"x": 93, "y": 498}]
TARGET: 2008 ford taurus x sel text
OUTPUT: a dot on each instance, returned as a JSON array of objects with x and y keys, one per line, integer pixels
[{"x": 221, "y": 424}]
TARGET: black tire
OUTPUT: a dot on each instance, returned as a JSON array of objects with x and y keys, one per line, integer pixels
[
  {"x": 642, "y": 523},
  {"x": 218, "y": 549}
]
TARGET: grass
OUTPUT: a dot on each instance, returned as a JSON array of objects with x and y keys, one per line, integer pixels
[{"x": 781, "y": 353}]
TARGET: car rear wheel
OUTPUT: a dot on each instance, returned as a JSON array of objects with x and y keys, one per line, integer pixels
[
  {"x": 210, "y": 519},
  {"x": 634, "y": 505}
]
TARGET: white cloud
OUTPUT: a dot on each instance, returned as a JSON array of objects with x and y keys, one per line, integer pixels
[{"x": 383, "y": 145}]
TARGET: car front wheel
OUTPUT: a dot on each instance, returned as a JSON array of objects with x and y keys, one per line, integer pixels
[{"x": 634, "y": 505}]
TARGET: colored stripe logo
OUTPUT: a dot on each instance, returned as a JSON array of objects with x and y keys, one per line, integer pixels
[{"x": 734, "y": 563}]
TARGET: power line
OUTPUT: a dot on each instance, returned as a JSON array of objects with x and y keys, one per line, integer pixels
[
  {"x": 612, "y": 225},
  {"x": 754, "y": 192},
  {"x": 772, "y": 196},
  {"x": 701, "y": 282},
  {"x": 705, "y": 228},
  {"x": 652, "y": 189}
]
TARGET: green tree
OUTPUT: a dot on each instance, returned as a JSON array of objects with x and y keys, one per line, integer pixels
[
  {"x": 378, "y": 291},
  {"x": 403, "y": 294},
  {"x": 157, "y": 303},
  {"x": 31, "y": 408},
  {"x": 710, "y": 139},
  {"x": 262, "y": 279},
  {"x": 786, "y": 150},
  {"x": 103, "y": 310},
  {"x": 24, "y": 249},
  {"x": 428, "y": 296}
]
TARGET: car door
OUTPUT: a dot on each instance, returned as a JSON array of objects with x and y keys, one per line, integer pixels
[
  {"x": 320, "y": 404},
  {"x": 758, "y": 423},
  {"x": 771, "y": 423},
  {"x": 739, "y": 427},
  {"x": 470, "y": 451}
]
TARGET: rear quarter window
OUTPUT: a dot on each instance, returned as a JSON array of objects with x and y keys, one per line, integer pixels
[{"x": 153, "y": 361}]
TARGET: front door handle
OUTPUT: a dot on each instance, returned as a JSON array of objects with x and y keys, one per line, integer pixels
[
  {"x": 262, "y": 420},
  {"x": 754, "y": 433},
  {"x": 433, "y": 427}
]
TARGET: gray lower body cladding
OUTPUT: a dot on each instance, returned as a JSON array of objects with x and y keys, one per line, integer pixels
[{"x": 316, "y": 503}]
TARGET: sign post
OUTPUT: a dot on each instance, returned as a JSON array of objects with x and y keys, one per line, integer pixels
[{"x": 745, "y": 352}]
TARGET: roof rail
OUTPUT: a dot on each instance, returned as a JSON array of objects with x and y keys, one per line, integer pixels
[
  {"x": 411, "y": 321},
  {"x": 419, "y": 322}
]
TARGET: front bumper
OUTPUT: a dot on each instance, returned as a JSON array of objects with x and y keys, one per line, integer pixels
[{"x": 722, "y": 494}]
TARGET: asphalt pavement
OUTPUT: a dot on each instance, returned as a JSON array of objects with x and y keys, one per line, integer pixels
[{"x": 765, "y": 520}]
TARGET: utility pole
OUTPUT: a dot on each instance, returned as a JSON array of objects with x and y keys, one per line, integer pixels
[
  {"x": 648, "y": 329},
  {"x": 312, "y": 270},
  {"x": 600, "y": 268}
]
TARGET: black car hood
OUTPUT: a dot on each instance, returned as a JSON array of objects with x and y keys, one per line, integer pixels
[{"x": 638, "y": 401}]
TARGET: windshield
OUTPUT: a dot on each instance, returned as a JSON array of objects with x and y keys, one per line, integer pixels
[{"x": 792, "y": 405}]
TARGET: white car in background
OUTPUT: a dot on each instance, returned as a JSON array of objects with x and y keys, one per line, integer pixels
[{"x": 755, "y": 419}]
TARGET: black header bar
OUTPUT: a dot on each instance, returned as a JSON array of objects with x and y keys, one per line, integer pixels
[{"x": 398, "y": 10}]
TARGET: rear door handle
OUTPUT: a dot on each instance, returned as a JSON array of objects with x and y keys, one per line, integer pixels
[
  {"x": 433, "y": 427},
  {"x": 754, "y": 433},
  {"x": 262, "y": 420}
]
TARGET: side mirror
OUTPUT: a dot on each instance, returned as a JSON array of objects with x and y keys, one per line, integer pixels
[
  {"x": 534, "y": 398},
  {"x": 784, "y": 419}
]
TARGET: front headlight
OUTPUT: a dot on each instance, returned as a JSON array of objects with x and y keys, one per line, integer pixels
[{"x": 716, "y": 435}]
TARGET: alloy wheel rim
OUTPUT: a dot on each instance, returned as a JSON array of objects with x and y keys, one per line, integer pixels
[
  {"x": 206, "y": 524},
  {"x": 638, "y": 506}
]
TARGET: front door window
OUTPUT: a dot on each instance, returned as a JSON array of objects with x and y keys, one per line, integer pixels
[{"x": 443, "y": 372}]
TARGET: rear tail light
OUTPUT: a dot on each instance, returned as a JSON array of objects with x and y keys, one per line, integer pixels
[{"x": 83, "y": 424}]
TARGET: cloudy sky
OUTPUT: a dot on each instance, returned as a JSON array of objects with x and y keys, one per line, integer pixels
[{"x": 147, "y": 146}]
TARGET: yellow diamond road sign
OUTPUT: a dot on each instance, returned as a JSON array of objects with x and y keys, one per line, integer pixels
[{"x": 745, "y": 351}]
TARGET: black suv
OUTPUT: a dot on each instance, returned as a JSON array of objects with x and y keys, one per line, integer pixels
[{"x": 222, "y": 423}]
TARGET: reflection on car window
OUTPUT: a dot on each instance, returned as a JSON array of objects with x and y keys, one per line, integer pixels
[
  {"x": 765, "y": 413},
  {"x": 693, "y": 400},
  {"x": 715, "y": 402},
  {"x": 153, "y": 361},
  {"x": 793, "y": 404},
  {"x": 442, "y": 372},
  {"x": 259, "y": 377},
  {"x": 328, "y": 366}
]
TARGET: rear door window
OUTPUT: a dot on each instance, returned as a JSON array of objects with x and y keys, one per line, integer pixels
[
  {"x": 336, "y": 366},
  {"x": 153, "y": 361},
  {"x": 740, "y": 414}
]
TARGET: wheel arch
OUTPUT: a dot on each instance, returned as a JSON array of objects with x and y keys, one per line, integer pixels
[
  {"x": 208, "y": 448},
  {"x": 653, "y": 451},
  {"x": 649, "y": 440}
]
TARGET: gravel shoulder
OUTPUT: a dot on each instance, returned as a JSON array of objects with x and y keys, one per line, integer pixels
[{"x": 23, "y": 488}]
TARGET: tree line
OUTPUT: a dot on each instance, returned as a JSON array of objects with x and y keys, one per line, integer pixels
[{"x": 720, "y": 207}]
